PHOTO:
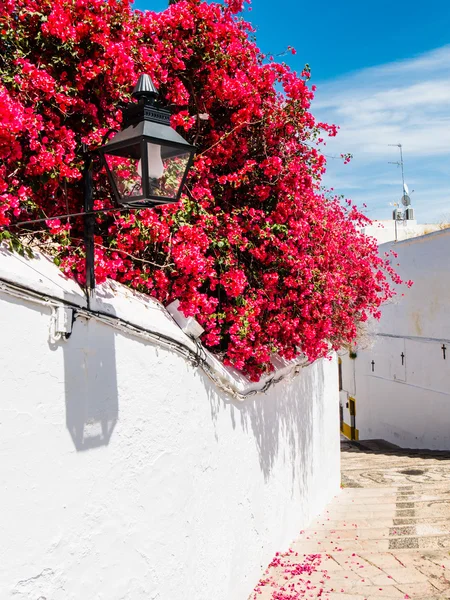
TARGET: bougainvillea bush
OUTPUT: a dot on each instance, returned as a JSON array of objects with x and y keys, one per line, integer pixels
[{"x": 262, "y": 258}]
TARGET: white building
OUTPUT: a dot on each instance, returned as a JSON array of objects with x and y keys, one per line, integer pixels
[
  {"x": 399, "y": 389},
  {"x": 390, "y": 230},
  {"x": 133, "y": 464}
]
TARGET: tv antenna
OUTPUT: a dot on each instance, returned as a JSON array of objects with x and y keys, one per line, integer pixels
[{"x": 406, "y": 200}]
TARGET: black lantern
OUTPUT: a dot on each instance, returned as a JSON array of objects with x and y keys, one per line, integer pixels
[{"x": 147, "y": 162}]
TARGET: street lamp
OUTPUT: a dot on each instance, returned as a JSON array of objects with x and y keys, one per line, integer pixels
[{"x": 148, "y": 161}]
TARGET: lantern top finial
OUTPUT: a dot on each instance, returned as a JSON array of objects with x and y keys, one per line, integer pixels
[{"x": 145, "y": 89}]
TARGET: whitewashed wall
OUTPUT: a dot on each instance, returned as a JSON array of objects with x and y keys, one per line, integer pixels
[
  {"x": 409, "y": 404},
  {"x": 126, "y": 473},
  {"x": 388, "y": 230},
  {"x": 347, "y": 391}
]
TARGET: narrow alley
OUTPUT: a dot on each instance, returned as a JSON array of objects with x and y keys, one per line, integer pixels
[{"x": 387, "y": 535}]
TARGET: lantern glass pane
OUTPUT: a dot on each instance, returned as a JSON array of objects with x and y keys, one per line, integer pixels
[
  {"x": 126, "y": 171},
  {"x": 166, "y": 168}
]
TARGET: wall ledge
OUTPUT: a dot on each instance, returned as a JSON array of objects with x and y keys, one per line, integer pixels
[{"x": 39, "y": 279}]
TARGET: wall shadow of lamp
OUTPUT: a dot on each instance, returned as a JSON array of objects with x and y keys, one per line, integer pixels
[
  {"x": 91, "y": 391},
  {"x": 90, "y": 379},
  {"x": 147, "y": 163}
]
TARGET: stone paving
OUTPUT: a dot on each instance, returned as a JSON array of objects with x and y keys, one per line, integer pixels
[{"x": 386, "y": 536}]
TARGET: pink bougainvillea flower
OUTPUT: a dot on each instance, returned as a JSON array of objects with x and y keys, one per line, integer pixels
[{"x": 256, "y": 251}]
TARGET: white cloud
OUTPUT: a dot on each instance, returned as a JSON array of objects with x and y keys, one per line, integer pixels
[{"x": 405, "y": 102}]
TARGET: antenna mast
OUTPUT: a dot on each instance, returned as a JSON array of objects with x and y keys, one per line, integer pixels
[
  {"x": 406, "y": 201},
  {"x": 400, "y": 164}
]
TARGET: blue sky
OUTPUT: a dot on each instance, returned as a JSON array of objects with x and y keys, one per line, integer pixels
[{"x": 383, "y": 74}]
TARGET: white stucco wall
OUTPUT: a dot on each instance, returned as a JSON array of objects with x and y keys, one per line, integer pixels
[
  {"x": 348, "y": 386},
  {"x": 388, "y": 230},
  {"x": 126, "y": 473},
  {"x": 409, "y": 404}
]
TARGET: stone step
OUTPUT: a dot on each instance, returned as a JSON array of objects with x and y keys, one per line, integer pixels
[
  {"x": 417, "y": 455},
  {"x": 417, "y": 471},
  {"x": 349, "y": 523},
  {"x": 422, "y": 506},
  {"x": 347, "y": 502},
  {"x": 368, "y": 592},
  {"x": 429, "y": 542},
  {"x": 394, "y": 476},
  {"x": 360, "y": 461},
  {"x": 437, "y": 511},
  {"x": 419, "y": 500},
  {"x": 375, "y": 457},
  {"x": 385, "y": 448},
  {"x": 348, "y": 498},
  {"x": 378, "y": 531}
]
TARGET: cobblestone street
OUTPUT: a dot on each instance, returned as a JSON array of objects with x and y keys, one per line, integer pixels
[{"x": 387, "y": 535}]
